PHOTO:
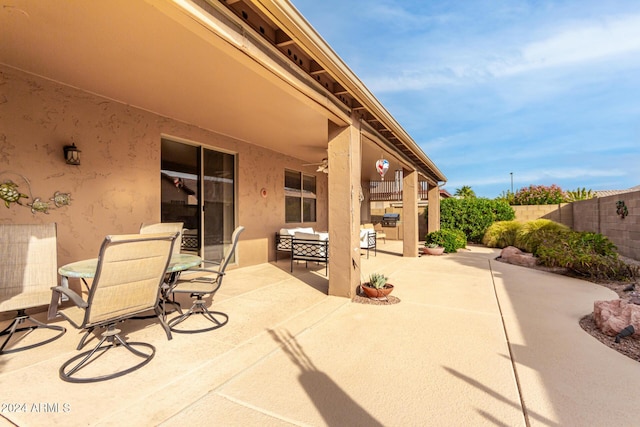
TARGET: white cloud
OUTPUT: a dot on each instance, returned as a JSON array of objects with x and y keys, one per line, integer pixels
[
  {"x": 471, "y": 61},
  {"x": 586, "y": 43}
]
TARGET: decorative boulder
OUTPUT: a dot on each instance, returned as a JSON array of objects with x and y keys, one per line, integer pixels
[
  {"x": 611, "y": 317},
  {"x": 513, "y": 255}
]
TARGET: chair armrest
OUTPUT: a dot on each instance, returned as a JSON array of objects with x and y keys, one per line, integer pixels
[
  {"x": 57, "y": 291},
  {"x": 74, "y": 297},
  {"x": 201, "y": 279}
]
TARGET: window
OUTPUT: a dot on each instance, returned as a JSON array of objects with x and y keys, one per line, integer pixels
[{"x": 299, "y": 197}]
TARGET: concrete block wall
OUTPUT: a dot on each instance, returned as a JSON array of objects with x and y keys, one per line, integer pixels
[
  {"x": 600, "y": 216},
  {"x": 562, "y": 213}
]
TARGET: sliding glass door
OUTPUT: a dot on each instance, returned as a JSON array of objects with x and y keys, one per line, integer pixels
[{"x": 198, "y": 189}]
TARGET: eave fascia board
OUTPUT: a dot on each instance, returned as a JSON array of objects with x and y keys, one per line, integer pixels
[
  {"x": 218, "y": 22},
  {"x": 288, "y": 18}
]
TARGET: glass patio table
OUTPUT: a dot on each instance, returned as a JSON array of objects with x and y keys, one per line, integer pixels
[{"x": 86, "y": 269}]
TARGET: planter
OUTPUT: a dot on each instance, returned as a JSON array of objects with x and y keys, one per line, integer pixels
[
  {"x": 377, "y": 293},
  {"x": 433, "y": 251}
]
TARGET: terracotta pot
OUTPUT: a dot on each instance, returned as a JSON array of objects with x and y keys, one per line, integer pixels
[
  {"x": 433, "y": 251},
  {"x": 377, "y": 293}
]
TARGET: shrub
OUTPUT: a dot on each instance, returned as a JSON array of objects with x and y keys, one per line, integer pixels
[
  {"x": 540, "y": 195},
  {"x": 587, "y": 254},
  {"x": 473, "y": 216},
  {"x": 507, "y": 196},
  {"x": 501, "y": 234},
  {"x": 532, "y": 232},
  {"x": 451, "y": 240}
]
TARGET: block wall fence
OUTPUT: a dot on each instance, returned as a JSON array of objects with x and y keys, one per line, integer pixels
[
  {"x": 600, "y": 215},
  {"x": 597, "y": 215}
]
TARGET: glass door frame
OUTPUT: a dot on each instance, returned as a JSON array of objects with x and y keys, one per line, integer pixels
[{"x": 201, "y": 189}]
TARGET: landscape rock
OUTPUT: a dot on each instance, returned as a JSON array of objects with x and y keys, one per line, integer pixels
[
  {"x": 513, "y": 255},
  {"x": 613, "y": 316}
]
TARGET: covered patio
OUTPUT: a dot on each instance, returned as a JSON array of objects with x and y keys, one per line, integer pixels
[
  {"x": 249, "y": 84},
  {"x": 466, "y": 345}
]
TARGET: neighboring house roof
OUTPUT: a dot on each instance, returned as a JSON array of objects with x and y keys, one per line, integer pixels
[
  {"x": 605, "y": 193},
  {"x": 444, "y": 194}
]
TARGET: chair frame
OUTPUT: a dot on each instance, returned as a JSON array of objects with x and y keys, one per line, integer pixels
[
  {"x": 310, "y": 250},
  {"x": 111, "y": 337},
  {"x": 218, "y": 318},
  {"x": 12, "y": 329},
  {"x": 166, "y": 227},
  {"x": 372, "y": 243}
]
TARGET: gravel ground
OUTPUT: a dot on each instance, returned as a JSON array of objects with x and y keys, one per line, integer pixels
[{"x": 362, "y": 298}]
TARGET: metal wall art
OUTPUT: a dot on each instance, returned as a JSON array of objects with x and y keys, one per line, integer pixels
[
  {"x": 621, "y": 209},
  {"x": 10, "y": 194}
]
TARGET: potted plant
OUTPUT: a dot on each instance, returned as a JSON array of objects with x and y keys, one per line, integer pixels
[
  {"x": 377, "y": 286},
  {"x": 433, "y": 249}
]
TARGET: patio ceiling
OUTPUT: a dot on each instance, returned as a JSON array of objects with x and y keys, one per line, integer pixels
[
  {"x": 172, "y": 58},
  {"x": 132, "y": 52}
]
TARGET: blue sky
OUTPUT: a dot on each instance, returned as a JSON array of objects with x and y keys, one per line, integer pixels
[{"x": 546, "y": 90}]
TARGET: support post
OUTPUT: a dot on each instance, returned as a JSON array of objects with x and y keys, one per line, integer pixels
[
  {"x": 344, "y": 209},
  {"x": 409, "y": 218},
  {"x": 433, "y": 196}
]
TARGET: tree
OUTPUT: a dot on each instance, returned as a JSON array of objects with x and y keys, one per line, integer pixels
[
  {"x": 465, "y": 192},
  {"x": 580, "y": 194}
]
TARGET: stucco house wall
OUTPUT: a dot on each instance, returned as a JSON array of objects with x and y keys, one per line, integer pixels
[{"x": 117, "y": 186}]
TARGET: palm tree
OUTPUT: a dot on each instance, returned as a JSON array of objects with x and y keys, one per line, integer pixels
[{"x": 465, "y": 192}]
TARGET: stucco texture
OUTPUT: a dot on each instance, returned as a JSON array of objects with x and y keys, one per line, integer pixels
[{"x": 117, "y": 185}]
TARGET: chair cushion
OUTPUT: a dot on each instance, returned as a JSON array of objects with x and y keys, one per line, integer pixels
[
  {"x": 306, "y": 236},
  {"x": 293, "y": 231},
  {"x": 364, "y": 238}
]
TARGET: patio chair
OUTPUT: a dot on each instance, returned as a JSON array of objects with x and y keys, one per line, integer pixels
[
  {"x": 368, "y": 241},
  {"x": 380, "y": 234},
  {"x": 165, "y": 227},
  {"x": 127, "y": 282},
  {"x": 200, "y": 287},
  {"x": 28, "y": 270},
  {"x": 310, "y": 247}
]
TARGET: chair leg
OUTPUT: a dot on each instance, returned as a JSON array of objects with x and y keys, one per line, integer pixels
[
  {"x": 199, "y": 307},
  {"x": 162, "y": 316},
  {"x": 20, "y": 318},
  {"x": 112, "y": 338},
  {"x": 84, "y": 338}
]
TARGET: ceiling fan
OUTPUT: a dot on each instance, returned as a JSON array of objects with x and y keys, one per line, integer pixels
[{"x": 323, "y": 166}]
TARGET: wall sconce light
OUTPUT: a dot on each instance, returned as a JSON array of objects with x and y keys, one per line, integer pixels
[{"x": 72, "y": 154}]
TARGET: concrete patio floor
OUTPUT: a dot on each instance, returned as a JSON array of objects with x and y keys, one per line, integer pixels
[{"x": 472, "y": 342}]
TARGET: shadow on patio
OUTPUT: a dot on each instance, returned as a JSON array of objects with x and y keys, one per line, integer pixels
[{"x": 291, "y": 355}]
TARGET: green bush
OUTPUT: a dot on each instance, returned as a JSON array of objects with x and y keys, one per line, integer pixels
[
  {"x": 473, "y": 215},
  {"x": 501, "y": 234},
  {"x": 587, "y": 254},
  {"x": 451, "y": 240},
  {"x": 531, "y": 233}
]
